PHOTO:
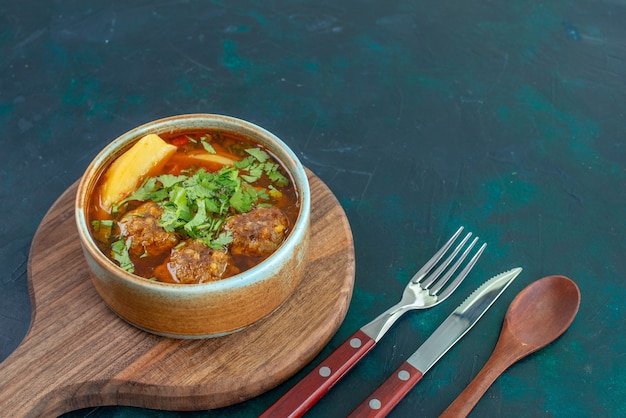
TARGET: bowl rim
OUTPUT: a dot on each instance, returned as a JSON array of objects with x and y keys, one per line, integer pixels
[{"x": 260, "y": 272}]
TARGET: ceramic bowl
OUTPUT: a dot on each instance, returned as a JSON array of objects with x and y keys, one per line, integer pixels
[{"x": 198, "y": 310}]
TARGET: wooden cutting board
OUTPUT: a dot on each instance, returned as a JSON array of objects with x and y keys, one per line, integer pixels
[{"x": 79, "y": 354}]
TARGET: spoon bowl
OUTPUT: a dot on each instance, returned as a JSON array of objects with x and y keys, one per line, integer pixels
[{"x": 538, "y": 315}]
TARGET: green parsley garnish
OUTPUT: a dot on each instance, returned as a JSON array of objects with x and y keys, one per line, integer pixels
[
  {"x": 205, "y": 144},
  {"x": 119, "y": 249},
  {"x": 197, "y": 205},
  {"x": 102, "y": 229},
  {"x": 257, "y": 163},
  {"x": 275, "y": 193},
  {"x": 222, "y": 240},
  {"x": 99, "y": 225}
]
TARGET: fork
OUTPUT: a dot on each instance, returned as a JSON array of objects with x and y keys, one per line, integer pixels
[{"x": 424, "y": 290}]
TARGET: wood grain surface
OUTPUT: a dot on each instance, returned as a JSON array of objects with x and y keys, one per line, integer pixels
[{"x": 79, "y": 354}]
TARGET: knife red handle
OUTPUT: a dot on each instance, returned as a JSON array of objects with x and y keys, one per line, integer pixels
[
  {"x": 314, "y": 385},
  {"x": 389, "y": 393}
]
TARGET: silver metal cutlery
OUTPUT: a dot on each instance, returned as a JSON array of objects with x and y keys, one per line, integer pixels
[
  {"x": 393, "y": 390},
  {"x": 428, "y": 287}
]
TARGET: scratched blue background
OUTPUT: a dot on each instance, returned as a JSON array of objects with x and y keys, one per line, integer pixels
[{"x": 506, "y": 117}]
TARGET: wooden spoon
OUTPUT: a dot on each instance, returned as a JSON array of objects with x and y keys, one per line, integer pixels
[{"x": 538, "y": 315}]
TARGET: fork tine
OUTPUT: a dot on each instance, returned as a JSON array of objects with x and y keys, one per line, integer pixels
[
  {"x": 444, "y": 279},
  {"x": 435, "y": 274},
  {"x": 457, "y": 281},
  {"x": 435, "y": 258}
]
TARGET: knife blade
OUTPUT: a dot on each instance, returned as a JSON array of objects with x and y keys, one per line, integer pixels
[{"x": 392, "y": 391}]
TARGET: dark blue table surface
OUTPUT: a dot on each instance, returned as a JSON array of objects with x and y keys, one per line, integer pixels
[{"x": 506, "y": 117}]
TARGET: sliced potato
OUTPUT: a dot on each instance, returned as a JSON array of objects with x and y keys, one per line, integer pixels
[
  {"x": 122, "y": 178},
  {"x": 212, "y": 158}
]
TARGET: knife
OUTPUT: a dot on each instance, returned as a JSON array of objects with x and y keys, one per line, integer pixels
[{"x": 392, "y": 390}]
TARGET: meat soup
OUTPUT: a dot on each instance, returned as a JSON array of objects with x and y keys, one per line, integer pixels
[{"x": 193, "y": 207}]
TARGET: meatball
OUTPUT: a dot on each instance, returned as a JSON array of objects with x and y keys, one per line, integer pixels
[
  {"x": 142, "y": 226},
  {"x": 194, "y": 262},
  {"x": 258, "y": 232}
]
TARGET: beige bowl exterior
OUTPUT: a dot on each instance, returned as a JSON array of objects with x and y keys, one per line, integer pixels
[{"x": 198, "y": 310}]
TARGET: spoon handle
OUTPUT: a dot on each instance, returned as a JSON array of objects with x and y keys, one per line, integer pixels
[{"x": 465, "y": 402}]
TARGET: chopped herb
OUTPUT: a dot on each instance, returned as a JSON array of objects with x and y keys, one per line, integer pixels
[
  {"x": 196, "y": 204},
  {"x": 102, "y": 229},
  {"x": 205, "y": 143},
  {"x": 222, "y": 240},
  {"x": 98, "y": 225},
  {"x": 168, "y": 180},
  {"x": 249, "y": 179},
  {"x": 260, "y": 155},
  {"x": 198, "y": 220},
  {"x": 243, "y": 199},
  {"x": 276, "y": 194},
  {"x": 119, "y": 250},
  {"x": 245, "y": 163},
  {"x": 256, "y": 164},
  {"x": 274, "y": 175},
  {"x": 262, "y": 194},
  {"x": 149, "y": 190}
]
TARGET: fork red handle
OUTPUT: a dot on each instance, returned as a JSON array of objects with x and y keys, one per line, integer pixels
[
  {"x": 314, "y": 385},
  {"x": 389, "y": 393}
]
